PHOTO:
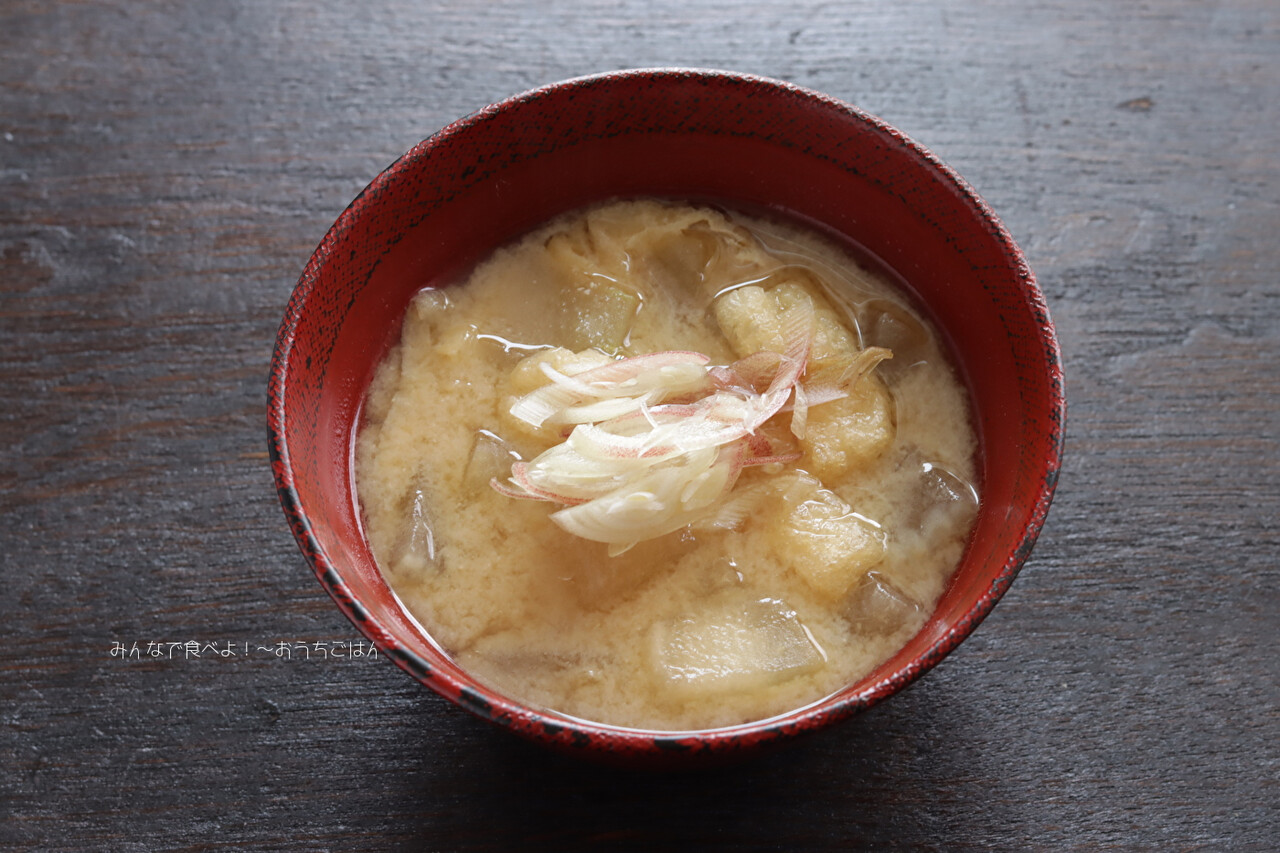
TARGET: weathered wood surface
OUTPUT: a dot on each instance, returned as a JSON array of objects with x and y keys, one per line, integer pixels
[{"x": 166, "y": 169}]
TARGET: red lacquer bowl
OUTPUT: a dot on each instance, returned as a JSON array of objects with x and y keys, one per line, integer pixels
[{"x": 744, "y": 141}]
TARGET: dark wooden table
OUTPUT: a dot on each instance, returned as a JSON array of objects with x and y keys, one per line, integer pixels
[{"x": 166, "y": 170}]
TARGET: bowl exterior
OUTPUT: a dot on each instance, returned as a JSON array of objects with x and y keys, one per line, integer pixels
[{"x": 695, "y": 135}]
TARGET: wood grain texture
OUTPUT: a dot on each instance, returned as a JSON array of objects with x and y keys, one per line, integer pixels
[{"x": 165, "y": 171}]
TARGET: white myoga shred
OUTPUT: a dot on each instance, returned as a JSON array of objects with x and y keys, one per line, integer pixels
[
  {"x": 635, "y": 468},
  {"x": 661, "y": 466}
]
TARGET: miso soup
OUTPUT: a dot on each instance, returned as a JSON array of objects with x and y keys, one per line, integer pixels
[{"x": 667, "y": 466}]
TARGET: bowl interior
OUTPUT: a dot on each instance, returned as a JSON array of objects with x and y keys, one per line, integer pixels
[{"x": 732, "y": 139}]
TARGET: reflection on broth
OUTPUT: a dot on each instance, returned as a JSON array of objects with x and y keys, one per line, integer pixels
[{"x": 666, "y": 467}]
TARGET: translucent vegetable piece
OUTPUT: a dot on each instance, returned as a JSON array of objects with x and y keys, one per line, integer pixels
[
  {"x": 430, "y": 304},
  {"x": 510, "y": 651},
  {"x": 946, "y": 508},
  {"x": 491, "y": 456},
  {"x": 888, "y": 324},
  {"x": 879, "y": 607},
  {"x": 682, "y": 256},
  {"x": 941, "y": 504},
  {"x": 599, "y": 315},
  {"x": 945, "y": 488},
  {"x": 732, "y": 646},
  {"x": 598, "y": 583}
]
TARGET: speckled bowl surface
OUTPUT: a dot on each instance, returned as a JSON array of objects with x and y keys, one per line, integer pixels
[{"x": 700, "y": 135}]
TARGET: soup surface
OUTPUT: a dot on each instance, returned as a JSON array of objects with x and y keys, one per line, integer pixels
[{"x": 667, "y": 467}]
